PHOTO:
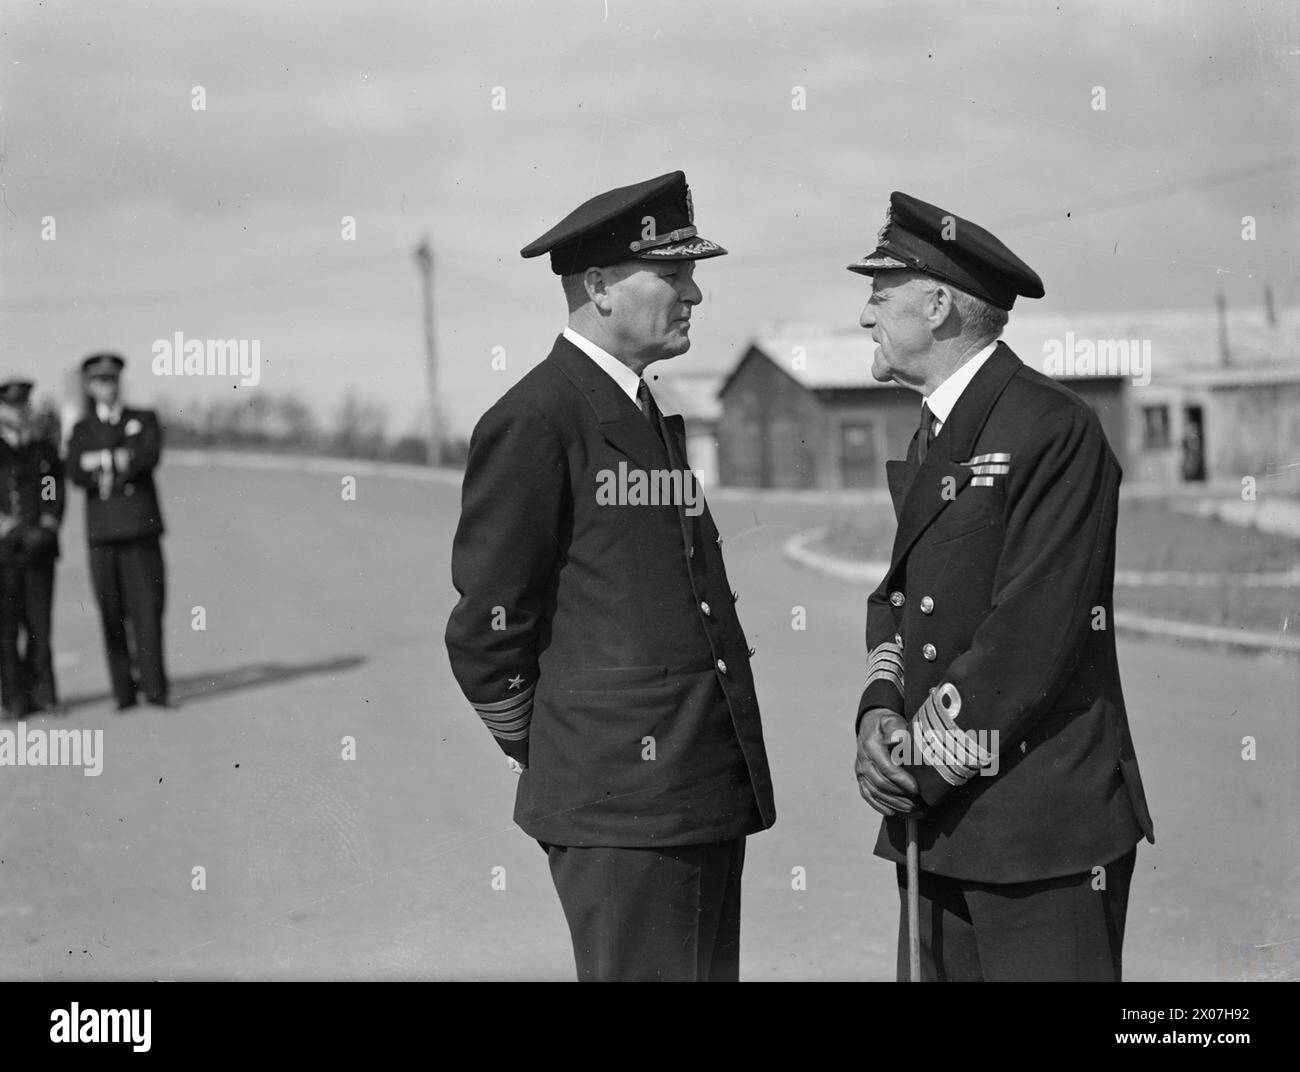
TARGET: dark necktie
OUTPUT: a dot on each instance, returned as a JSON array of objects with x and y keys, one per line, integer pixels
[
  {"x": 925, "y": 434},
  {"x": 646, "y": 401}
]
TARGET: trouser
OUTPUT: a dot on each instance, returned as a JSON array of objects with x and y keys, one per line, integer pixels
[
  {"x": 130, "y": 586},
  {"x": 1057, "y": 929},
  {"x": 26, "y": 610},
  {"x": 668, "y": 915}
]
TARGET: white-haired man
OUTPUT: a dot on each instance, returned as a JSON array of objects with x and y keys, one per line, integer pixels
[{"x": 993, "y": 712}]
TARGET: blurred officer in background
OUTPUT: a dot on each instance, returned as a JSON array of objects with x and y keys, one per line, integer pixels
[
  {"x": 31, "y": 510},
  {"x": 112, "y": 453}
]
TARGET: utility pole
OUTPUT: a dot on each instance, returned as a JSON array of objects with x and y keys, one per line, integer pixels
[
  {"x": 1225, "y": 352},
  {"x": 424, "y": 258}
]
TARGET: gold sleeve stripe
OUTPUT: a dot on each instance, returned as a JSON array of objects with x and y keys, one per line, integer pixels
[
  {"x": 885, "y": 663},
  {"x": 508, "y": 703},
  {"x": 512, "y": 727},
  {"x": 961, "y": 749},
  {"x": 953, "y": 752},
  {"x": 510, "y": 718},
  {"x": 515, "y": 734},
  {"x": 932, "y": 756}
]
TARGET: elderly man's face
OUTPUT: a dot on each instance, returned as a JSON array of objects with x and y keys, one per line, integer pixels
[
  {"x": 895, "y": 314},
  {"x": 650, "y": 309}
]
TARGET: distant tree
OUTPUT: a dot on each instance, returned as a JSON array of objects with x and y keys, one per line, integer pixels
[
  {"x": 359, "y": 427},
  {"x": 454, "y": 451},
  {"x": 298, "y": 422},
  {"x": 252, "y": 415},
  {"x": 410, "y": 448}
]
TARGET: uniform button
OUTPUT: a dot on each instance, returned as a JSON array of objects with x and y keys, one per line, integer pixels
[
  {"x": 927, "y": 604},
  {"x": 705, "y": 607},
  {"x": 722, "y": 667},
  {"x": 128, "y": 489},
  {"x": 719, "y": 539},
  {"x": 1024, "y": 747},
  {"x": 898, "y": 639},
  {"x": 751, "y": 652},
  {"x": 929, "y": 652},
  {"x": 897, "y": 598},
  {"x": 735, "y": 597}
]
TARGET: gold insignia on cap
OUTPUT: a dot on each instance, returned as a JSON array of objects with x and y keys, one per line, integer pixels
[{"x": 665, "y": 240}]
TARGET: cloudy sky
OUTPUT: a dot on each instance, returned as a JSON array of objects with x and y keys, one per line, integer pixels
[{"x": 226, "y": 222}]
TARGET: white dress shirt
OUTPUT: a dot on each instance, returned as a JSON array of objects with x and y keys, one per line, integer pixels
[
  {"x": 628, "y": 380},
  {"x": 944, "y": 397}
]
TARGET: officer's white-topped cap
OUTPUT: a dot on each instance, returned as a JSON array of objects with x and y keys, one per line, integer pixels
[
  {"x": 103, "y": 364},
  {"x": 15, "y": 389}
]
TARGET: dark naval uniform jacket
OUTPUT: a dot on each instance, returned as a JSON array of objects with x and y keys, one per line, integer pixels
[
  {"x": 598, "y": 640},
  {"x": 130, "y": 509},
  {"x": 31, "y": 483},
  {"x": 993, "y": 635}
]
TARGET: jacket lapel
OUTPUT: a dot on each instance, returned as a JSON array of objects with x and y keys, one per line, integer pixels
[
  {"x": 899, "y": 476},
  {"x": 621, "y": 423},
  {"x": 941, "y": 476},
  {"x": 675, "y": 434}
]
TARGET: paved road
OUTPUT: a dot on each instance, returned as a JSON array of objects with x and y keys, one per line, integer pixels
[{"x": 324, "y": 621}]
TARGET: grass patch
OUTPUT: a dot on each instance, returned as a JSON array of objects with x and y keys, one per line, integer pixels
[{"x": 1150, "y": 536}]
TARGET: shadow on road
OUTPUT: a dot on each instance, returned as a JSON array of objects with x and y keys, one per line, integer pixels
[{"x": 195, "y": 688}]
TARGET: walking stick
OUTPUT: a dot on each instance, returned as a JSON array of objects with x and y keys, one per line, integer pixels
[
  {"x": 913, "y": 901},
  {"x": 948, "y": 701}
]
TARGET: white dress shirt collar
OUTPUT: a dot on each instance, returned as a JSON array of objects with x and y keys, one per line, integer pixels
[
  {"x": 944, "y": 397},
  {"x": 108, "y": 414},
  {"x": 628, "y": 380}
]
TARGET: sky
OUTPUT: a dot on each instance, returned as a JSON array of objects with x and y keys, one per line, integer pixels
[{"x": 227, "y": 222}]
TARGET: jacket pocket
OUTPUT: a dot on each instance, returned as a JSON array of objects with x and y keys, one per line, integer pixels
[{"x": 940, "y": 537}]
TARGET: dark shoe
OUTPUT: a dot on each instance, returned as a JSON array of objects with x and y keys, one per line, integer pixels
[
  {"x": 163, "y": 702},
  {"x": 55, "y": 710},
  {"x": 126, "y": 705}
]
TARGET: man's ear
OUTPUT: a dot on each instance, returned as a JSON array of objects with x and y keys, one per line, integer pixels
[
  {"x": 596, "y": 284},
  {"x": 940, "y": 308}
]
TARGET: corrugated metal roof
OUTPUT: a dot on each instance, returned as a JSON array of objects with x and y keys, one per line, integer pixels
[
  {"x": 1182, "y": 341},
  {"x": 692, "y": 394},
  {"x": 1274, "y": 375}
]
